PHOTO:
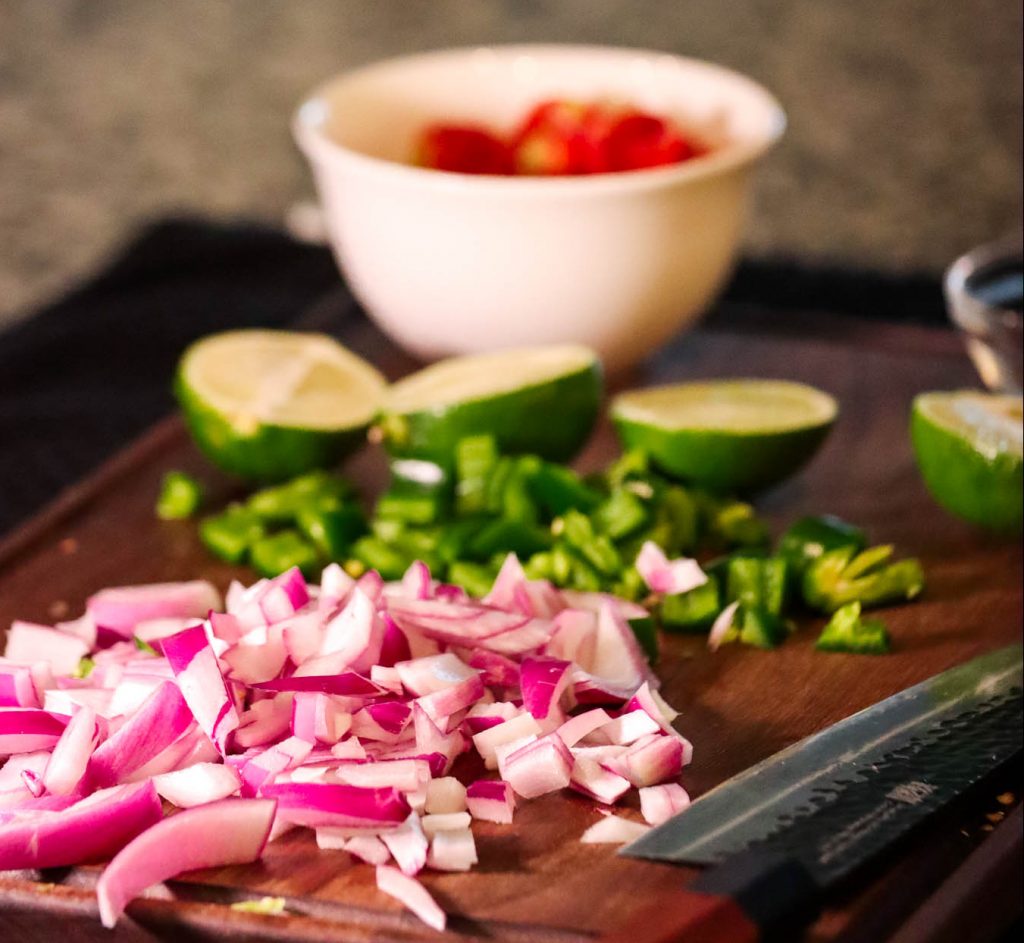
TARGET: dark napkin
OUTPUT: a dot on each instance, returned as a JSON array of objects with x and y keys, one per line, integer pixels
[{"x": 82, "y": 377}]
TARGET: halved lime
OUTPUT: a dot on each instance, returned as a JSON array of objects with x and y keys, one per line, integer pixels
[
  {"x": 539, "y": 400},
  {"x": 968, "y": 446},
  {"x": 269, "y": 405},
  {"x": 726, "y": 435}
]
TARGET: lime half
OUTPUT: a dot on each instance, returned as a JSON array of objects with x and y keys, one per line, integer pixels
[
  {"x": 726, "y": 435},
  {"x": 539, "y": 400},
  {"x": 968, "y": 446},
  {"x": 268, "y": 405}
]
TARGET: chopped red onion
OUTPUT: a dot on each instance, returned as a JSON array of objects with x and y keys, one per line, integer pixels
[
  {"x": 659, "y": 803},
  {"x": 412, "y": 894},
  {"x": 232, "y": 831}
]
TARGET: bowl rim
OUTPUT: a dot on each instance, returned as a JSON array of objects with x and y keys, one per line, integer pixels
[{"x": 320, "y": 148}]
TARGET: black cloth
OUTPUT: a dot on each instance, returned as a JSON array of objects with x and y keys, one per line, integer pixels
[{"x": 82, "y": 377}]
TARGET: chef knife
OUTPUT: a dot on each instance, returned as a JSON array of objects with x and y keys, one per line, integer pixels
[{"x": 783, "y": 831}]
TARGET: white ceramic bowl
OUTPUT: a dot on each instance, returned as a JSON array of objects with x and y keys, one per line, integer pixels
[{"x": 451, "y": 263}]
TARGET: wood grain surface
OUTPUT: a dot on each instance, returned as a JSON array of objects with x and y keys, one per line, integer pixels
[{"x": 535, "y": 881}]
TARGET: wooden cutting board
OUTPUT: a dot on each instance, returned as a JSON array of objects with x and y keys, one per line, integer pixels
[{"x": 535, "y": 882}]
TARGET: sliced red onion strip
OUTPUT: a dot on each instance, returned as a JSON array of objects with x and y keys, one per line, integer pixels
[
  {"x": 411, "y": 894},
  {"x": 201, "y": 683},
  {"x": 315, "y": 804},
  {"x": 232, "y": 831},
  {"x": 27, "y": 729},
  {"x": 158, "y": 723},
  {"x": 88, "y": 830}
]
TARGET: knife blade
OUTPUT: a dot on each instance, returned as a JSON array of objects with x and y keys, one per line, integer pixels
[{"x": 801, "y": 820}]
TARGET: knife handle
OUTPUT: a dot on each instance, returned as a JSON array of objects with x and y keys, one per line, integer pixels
[{"x": 754, "y": 896}]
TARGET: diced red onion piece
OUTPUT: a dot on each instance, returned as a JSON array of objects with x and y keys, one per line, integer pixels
[
  {"x": 510, "y": 578},
  {"x": 578, "y": 727},
  {"x": 122, "y": 608},
  {"x": 487, "y": 741},
  {"x": 668, "y": 577},
  {"x": 197, "y": 784},
  {"x": 653, "y": 762},
  {"x": 352, "y": 638},
  {"x": 315, "y": 804},
  {"x": 387, "y": 678},
  {"x": 592, "y": 779},
  {"x": 445, "y": 796},
  {"x": 452, "y": 850},
  {"x": 444, "y": 822},
  {"x": 408, "y": 845},
  {"x": 201, "y": 683},
  {"x": 491, "y": 801},
  {"x": 416, "y": 584},
  {"x": 659, "y": 803},
  {"x": 394, "y": 645},
  {"x": 335, "y": 585},
  {"x": 524, "y": 639},
  {"x": 626, "y": 728},
  {"x": 539, "y": 767},
  {"x": 264, "y": 721},
  {"x": 496, "y": 670},
  {"x": 412, "y": 894},
  {"x": 232, "y": 831},
  {"x": 721, "y": 625},
  {"x": 87, "y": 830},
  {"x": 613, "y": 830},
  {"x": 70, "y": 756},
  {"x": 434, "y": 673},
  {"x": 543, "y": 680},
  {"x": 17, "y": 687},
  {"x": 257, "y": 656},
  {"x": 368, "y": 848},
  {"x": 456, "y": 623},
  {"x": 28, "y": 642},
  {"x": 442, "y": 704}
]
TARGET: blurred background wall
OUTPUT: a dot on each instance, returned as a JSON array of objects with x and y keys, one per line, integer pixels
[{"x": 904, "y": 146}]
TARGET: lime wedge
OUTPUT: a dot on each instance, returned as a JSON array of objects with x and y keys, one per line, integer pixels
[
  {"x": 968, "y": 446},
  {"x": 726, "y": 435},
  {"x": 268, "y": 405},
  {"x": 539, "y": 400}
]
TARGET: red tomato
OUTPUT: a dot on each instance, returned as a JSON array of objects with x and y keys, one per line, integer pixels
[
  {"x": 464, "y": 149},
  {"x": 547, "y": 142},
  {"x": 638, "y": 140}
]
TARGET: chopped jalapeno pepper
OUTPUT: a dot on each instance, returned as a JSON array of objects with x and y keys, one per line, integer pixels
[
  {"x": 847, "y": 631},
  {"x": 180, "y": 497}
]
